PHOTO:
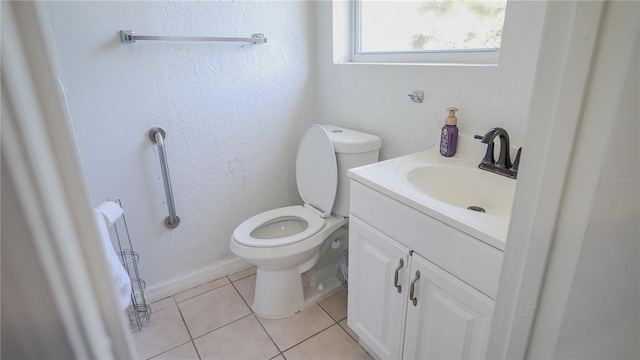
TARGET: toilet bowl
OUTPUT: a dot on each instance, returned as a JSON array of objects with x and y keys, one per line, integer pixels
[{"x": 295, "y": 248}]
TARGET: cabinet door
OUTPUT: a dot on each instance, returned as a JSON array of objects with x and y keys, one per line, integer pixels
[
  {"x": 376, "y": 308},
  {"x": 450, "y": 319}
]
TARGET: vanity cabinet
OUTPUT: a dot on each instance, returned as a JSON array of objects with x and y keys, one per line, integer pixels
[
  {"x": 446, "y": 318},
  {"x": 376, "y": 308},
  {"x": 399, "y": 314}
]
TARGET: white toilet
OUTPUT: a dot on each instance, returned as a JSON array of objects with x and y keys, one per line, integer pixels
[{"x": 296, "y": 248}]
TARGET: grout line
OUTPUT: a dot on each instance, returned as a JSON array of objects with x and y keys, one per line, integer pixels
[
  {"x": 220, "y": 327},
  {"x": 196, "y": 349},
  {"x": 258, "y": 320},
  {"x": 242, "y": 297},
  {"x": 355, "y": 340},
  {"x": 184, "y": 322},
  {"x": 189, "y": 298},
  {"x": 164, "y": 298},
  {"x": 327, "y": 312},
  {"x": 185, "y": 325},
  {"x": 244, "y": 277},
  {"x": 303, "y": 340},
  {"x": 316, "y": 334},
  {"x": 177, "y": 346},
  {"x": 348, "y": 333},
  {"x": 269, "y": 335}
]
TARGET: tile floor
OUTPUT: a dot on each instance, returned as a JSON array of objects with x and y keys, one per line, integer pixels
[{"x": 215, "y": 321}]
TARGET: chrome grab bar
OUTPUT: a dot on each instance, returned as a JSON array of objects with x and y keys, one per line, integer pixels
[{"x": 157, "y": 136}]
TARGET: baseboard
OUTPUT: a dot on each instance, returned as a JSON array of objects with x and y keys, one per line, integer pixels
[{"x": 199, "y": 277}]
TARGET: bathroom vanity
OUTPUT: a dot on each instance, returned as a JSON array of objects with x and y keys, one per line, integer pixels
[{"x": 423, "y": 268}]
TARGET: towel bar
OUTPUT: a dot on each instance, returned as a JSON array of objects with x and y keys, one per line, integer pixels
[{"x": 129, "y": 37}]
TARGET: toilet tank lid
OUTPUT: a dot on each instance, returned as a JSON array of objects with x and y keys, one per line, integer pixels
[{"x": 347, "y": 141}]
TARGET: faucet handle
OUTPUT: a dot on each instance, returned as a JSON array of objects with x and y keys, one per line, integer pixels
[
  {"x": 516, "y": 162},
  {"x": 479, "y": 137}
]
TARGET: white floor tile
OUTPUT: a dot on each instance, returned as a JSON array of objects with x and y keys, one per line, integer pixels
[
  {"x": 212, "y": 310},
  {"x": 287, "y": 332},
  {"x": 165, "y": 331},
  {"x": 182, "y": 352},
  {"x": 161, "y": 304},
  {"x": 195, "y": 291},
  {"x": 336, "y": 305},
  {"x": 247, "y": 288},
  {"x": 333, "y": 343},
  {"x": 243, "y": 339},
  {"x": 346, "y": 328},
  {"x": 242, "y": 274}
]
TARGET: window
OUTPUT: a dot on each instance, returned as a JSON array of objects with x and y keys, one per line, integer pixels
[{"x": 454, "y": 31}]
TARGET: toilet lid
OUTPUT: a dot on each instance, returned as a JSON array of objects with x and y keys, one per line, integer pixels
[{"x": 317, "y": 170}]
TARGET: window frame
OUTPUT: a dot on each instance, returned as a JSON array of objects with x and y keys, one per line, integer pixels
[{"x": 487, "y": 57}]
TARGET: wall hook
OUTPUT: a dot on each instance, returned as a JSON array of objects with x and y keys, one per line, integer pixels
[{"x": 417, "y": 96}]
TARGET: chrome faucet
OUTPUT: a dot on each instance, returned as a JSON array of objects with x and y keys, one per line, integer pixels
[{"x": 503, "y": 166}]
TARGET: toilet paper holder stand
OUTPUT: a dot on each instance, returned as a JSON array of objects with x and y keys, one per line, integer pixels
[{"x": 138, "y": 312}]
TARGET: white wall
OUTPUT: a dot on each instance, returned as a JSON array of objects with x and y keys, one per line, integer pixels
[
  {"x": 602, "y": 317},
  {"x": 587, "y": 243},
  {"x": 373, "y": 98},
  {"x": 233, "y": 115},
  {"x": 31, "y": 324}
]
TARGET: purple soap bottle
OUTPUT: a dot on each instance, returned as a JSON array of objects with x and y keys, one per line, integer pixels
[{"x": 449, "y": 134}]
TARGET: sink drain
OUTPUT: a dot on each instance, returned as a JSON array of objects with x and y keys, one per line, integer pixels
[{"x": 476, "y": 208}]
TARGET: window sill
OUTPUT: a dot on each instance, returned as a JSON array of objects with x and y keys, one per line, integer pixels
[
  {"x": 432, "y": 58},
  {"x": 414, "y": 64}
]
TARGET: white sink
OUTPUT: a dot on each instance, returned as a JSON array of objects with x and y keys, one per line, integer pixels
[
  {"x": 465, "y": 187},
  {"x": 445, "y": 188}
]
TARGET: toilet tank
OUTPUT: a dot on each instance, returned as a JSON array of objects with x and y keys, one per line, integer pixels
[{"x": 353, "y": 149}]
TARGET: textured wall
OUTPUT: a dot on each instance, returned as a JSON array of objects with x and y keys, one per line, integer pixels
[
  {"x": 233, "y": 114},
  {"x": 373, "y": 97}
]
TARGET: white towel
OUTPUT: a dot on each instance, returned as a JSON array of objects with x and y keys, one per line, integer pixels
[{"x": 122, "y": 280}]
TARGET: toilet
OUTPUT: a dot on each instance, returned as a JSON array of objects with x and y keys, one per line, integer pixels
[{"x": 296, "y": 248}]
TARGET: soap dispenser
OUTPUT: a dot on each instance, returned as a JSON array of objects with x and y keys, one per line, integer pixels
[{"x": 449, "y": 134}]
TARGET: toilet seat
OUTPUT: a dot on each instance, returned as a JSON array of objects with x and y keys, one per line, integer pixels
[{"x": 244, "y": 233}]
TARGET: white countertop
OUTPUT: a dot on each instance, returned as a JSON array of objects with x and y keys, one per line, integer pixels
[{"x": 383, "y": 177}]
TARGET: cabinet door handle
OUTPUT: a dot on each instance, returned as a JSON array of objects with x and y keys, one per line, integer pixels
[
  {"x": 412, "y": 289},
  {"x": 395, "y": 277}
]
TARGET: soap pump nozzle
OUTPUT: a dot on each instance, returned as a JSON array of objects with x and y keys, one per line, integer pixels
[{"x": 451, "y": 119}]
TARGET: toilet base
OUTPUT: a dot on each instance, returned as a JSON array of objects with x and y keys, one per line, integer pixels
[
  {"x": 281, "y": 293},
  {"x": 278, "y": 293},
  {"x": 311, "y": 295}
]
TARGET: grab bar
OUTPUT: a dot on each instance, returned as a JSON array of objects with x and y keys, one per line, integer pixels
[
  {"x": 129, "y": 37},
  {"x": 157, "y": 136}
]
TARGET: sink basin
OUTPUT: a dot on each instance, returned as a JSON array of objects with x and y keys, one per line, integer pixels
[
  {"x": 464, "y": 186},
  {"x": 445, "y": 189}
]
